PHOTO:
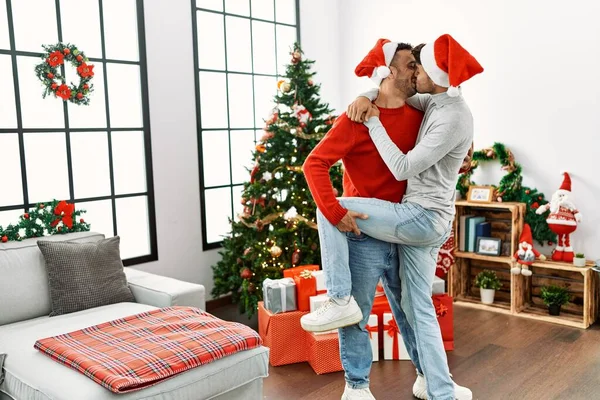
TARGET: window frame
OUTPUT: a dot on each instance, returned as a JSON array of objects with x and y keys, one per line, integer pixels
[
  {"x": 214, "y": 245},
  {"x": 20, "y": 131}
]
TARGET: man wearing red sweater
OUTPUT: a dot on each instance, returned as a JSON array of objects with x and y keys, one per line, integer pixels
[{"x": 366, "y": 175}]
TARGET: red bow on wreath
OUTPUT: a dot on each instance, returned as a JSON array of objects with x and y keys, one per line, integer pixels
[{"x": 64, "y": 211}]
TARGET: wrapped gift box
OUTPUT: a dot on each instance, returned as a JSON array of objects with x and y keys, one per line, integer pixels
[
  {"x": 444, "y": 308},
  {"x": 306, "y": 286},
  {"x": 324, "y": 353},
  {"x": 439, "y": 286},
  {"x": 320, "y": 277},
  {"x": 283, "y": 335},
  {"x": 373, "y": 329},
  {"x": 316, "y": 302},
  {"x": 279, "y": 295},
  {"x": 393, "y": 344},
  {"x": 292, "y": 272}
]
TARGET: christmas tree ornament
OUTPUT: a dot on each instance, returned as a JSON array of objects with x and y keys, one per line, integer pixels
[
  {"x": 296, "y": 256},
  {"x": 275, "y": 251},
  {"x": 562, "y": 220},
  {"x": 251, "y": 287},
  {"x": 526, "y": 254},
  {"x": 246, "y": 273},
  {"x": 314, "y": 246},
  {"x": 310, "y": 82},
  {"x": 49, "y": 73}
]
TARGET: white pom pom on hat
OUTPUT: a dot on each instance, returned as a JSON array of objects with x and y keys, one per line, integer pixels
[{"x": 383, "y": 71}]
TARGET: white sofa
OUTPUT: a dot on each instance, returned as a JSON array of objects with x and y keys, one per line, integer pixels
[{"x": 24, "y": 309}]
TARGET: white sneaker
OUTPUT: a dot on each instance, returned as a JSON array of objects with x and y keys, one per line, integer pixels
[
  {"x": 420, "y": 390},
  {"x": 332, "y": 314},
  {"x": 357, "y": 394}
]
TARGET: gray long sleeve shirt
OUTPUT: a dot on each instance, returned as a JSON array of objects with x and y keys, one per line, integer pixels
[{"x": 431, "y": 168}]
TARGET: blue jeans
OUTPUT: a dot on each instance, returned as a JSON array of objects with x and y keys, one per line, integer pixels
[{"x": 353, "y": 265}]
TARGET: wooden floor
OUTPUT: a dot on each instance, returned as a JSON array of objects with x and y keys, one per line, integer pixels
[{"x": 497, "y": 356}]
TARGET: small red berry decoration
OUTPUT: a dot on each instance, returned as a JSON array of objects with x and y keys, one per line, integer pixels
[
  {"x": 4, "y": 239},
  {"x": 26, "y": 215}
]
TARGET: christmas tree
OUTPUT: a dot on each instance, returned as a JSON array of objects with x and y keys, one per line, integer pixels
[{"x": 277, "y": 228}]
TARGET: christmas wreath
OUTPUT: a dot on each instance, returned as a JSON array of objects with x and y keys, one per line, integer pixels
[
  {"x": 510, "y": 188},
  {"x": 50, "y": 73}
]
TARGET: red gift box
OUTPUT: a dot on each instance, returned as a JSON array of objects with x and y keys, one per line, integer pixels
[
  {"x": 306, "y": 286},
  {"x": 444, "y": 309},
  {"x": 324, "y": 353},
  {"x": 283, "y": 335},
  {"x": 292, "y": 272}
]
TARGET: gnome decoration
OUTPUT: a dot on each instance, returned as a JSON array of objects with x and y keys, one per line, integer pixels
[
  {"x": 526, "y": 254},
  {"x": 562, "y": 220}
]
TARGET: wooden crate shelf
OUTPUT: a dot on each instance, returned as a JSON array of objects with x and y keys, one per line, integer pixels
[{"x": 520, "y": 295}]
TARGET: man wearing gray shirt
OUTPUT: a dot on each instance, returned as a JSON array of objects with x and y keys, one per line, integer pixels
[{"x": 422, "y": 222}]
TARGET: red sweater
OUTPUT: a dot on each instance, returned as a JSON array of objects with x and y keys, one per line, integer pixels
[{"x": 365, "y": 173}]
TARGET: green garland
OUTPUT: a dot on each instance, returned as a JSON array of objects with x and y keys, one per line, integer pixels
[
  {"x": 510, "y": 188},
  {"x": 55, "y": 217}
]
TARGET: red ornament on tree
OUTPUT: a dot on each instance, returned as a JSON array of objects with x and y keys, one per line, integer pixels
[
  {"x": 246, "y": 273},
  {"x": 296, "y": 256},
  {"x": 4, "y": 239},
  {"x": 26, "y": 215}
]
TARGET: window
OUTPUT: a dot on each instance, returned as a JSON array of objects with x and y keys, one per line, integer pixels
[
  {"x": 96, "y": 156},
  {"x": 241, "y": 48}
]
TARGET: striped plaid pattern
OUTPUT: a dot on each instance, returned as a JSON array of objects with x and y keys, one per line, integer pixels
[{"x": 142, "y": 350}]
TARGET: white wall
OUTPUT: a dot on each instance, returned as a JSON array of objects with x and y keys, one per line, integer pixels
[
  {"x": 320, "y": 38},
  {"x": 172, "y": 99},
  {"x": 538, "y": 94}
]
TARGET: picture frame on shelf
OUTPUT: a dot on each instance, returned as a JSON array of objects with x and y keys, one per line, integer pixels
[
  {"x": 488, "y": 246},
  {"x": 480, "y": 194}
]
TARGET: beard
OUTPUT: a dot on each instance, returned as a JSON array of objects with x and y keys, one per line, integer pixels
[
  {"x": 406, "y": 86},
  {"x": 565, "y": 202}
]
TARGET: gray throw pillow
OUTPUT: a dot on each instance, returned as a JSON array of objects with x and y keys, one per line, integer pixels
[{"x": 84, "y": 275}]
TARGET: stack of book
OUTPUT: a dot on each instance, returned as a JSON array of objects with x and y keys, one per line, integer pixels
[{"x": 471, "y": 227}]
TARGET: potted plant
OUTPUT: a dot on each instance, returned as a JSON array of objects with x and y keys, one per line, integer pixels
[
  {"x": 488, "y": 282},
  {"x": 579, "y": 260},
  {"x": 555, "y": 297}
]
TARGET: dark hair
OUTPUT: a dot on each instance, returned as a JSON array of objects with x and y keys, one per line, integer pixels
[
  {"x": 401, "y": 46},
  {"x": 417, "y": 52}
]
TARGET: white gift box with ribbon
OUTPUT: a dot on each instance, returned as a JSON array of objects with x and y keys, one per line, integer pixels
[
  {"x": 279, "y": 295},
  {"x": 373, "y": 329},
  {"x": 320, "y": 277},
  {"x": 393, "y": 344}
]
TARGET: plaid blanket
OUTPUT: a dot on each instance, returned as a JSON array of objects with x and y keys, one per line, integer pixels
[{"x": 142, "y": 350}]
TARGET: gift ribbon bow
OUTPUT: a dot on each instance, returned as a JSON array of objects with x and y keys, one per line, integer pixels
[
  {"x": 371, "y": 329},
  {"x": 306, "y": 274},
  {"x": 441, "y": 309},
  {"x": 393, "y": 330}
]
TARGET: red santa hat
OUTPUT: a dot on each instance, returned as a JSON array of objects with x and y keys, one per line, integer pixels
[
  {"x": 448, "y": 64},
  {"x": 526, "y": 235},
  {"x": 376, "y": 63},
  {"x": 566, "y": 184}
]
